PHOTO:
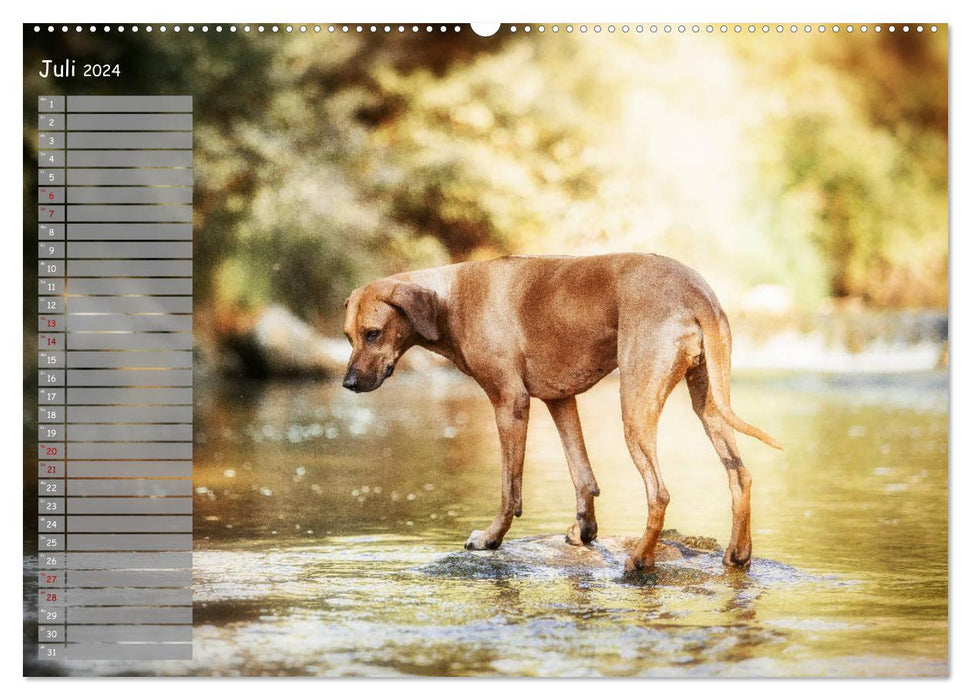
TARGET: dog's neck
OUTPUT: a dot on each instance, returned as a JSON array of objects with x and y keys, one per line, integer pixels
[{"x": 440, "y": 280}]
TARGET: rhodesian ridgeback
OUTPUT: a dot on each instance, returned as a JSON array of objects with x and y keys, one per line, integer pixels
[{"x": 551, "y": 328}]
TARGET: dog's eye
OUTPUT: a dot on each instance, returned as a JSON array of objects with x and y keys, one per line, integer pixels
[{"x": 371, "y": 335}]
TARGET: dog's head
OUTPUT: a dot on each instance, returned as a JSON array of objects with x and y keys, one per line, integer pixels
[{"x": 383, "y": 319}]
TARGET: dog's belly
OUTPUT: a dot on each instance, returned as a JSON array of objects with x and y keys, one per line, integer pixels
[{"x": 569, "y": 369}]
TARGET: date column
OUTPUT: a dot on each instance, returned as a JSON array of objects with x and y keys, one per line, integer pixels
[{"x": 50, "y": 375}]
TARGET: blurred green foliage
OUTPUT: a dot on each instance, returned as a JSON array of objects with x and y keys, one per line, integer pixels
[{"x": 817, "y": 163}]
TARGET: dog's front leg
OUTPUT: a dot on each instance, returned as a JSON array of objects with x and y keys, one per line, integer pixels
[{"x": 512, "y": 417}]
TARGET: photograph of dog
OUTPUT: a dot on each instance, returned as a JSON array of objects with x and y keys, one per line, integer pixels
[{"x": 550, "y": 328}]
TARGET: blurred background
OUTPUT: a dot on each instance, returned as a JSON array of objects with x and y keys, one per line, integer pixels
[{"x": 805, "y": 176}]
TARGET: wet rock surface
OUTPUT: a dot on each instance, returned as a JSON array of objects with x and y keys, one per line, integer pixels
[{"x": 679, "y": 560}]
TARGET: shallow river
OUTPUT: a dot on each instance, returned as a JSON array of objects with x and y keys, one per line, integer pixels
[{"x": 329, "y": 527}]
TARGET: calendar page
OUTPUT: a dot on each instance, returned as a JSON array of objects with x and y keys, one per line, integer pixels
[{"x": 515, "y": 350}]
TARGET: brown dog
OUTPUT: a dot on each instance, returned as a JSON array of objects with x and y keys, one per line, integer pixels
[{"x": 551, "y": 328}]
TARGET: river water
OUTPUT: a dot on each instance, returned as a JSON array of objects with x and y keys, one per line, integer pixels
[{"x": 329, "y": 528}]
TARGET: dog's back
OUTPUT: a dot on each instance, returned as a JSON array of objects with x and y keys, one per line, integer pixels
[{"x": 558, "y": 317}]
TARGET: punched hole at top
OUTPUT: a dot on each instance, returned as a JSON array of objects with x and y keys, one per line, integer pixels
[{"x": 485, "y": 28}]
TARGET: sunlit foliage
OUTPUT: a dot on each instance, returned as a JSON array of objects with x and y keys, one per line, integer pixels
[{"x": 813, "y": 163}]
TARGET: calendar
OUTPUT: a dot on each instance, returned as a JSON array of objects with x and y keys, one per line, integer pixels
[{"x": 442, "y": 349}]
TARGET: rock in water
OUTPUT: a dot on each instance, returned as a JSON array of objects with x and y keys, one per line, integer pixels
[
  {"x": 280, "y": 344},
  {"x": 551, "y": 555},
  {"x": 275, "y": 343}
]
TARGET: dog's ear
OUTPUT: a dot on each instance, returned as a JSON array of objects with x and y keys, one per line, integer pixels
[{"x": 420, "y": 307}]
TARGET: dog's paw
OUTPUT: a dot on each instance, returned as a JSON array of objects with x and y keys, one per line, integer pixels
[
  {"x": 636, "y": 564},
  {"x": 478, "y": 540},
  {"x": 583, "y": 534},
  {"x": 738, "y": 558}
]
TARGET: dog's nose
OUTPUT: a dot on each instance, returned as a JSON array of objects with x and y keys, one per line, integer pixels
[{"x": 350, "y": 381}]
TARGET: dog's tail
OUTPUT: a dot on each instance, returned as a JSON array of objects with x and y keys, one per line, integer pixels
[{"x": 717, "y": 344}]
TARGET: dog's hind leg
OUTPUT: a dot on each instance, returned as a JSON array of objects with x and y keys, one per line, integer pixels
[
  {"x": 722, "y": 436},
  {"x": 567, "y": 420},
  {"x": 648, "y": 373}
]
